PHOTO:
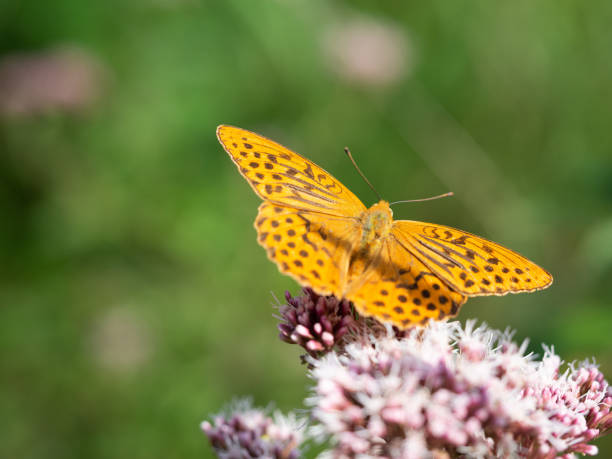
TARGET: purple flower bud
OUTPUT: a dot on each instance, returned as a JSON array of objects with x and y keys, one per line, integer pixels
[
  {"x": 303, "y": 331},
  {"x": 314, "y": 346},
  {"x": 286, "y": 338},
  {"x": 327, "y": 324},
  {"x": 315, "y": 322},
  {"x": 328, "y": 339}
]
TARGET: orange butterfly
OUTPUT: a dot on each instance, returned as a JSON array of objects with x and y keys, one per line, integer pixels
[{"x": 401, "y": 272}]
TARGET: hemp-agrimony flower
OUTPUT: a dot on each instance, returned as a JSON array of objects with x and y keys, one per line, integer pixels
[
  {"x": 247, "y": 432},
  {"x": 453, "y": 391},
  {"x": 315, "y": 322}
]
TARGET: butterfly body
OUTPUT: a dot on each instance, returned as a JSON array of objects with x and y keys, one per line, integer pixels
[
  {"x": 398, "y": 271},
  {"x": 376, "y": 223}
]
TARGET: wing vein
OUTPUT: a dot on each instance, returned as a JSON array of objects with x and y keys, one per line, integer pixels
[
  {"x": 459, "y": 254},
  {"x": 442, "y": 254},
  {"x": 308, "y": 192},
  {"x": 433, "y": 260},
  {"x": 318, "y": 212},
  {"x": 304, "y": 182}
]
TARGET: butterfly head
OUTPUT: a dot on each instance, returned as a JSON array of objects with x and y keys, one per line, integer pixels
[{"x": 376, "y": 222}]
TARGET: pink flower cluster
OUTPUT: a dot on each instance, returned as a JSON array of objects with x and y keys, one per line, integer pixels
[
  {"x": 247, "y": 433},
  {"x": 441, "y": 391},
  {"x": 315, "y": 322},
  {"x": 449, "y": 391}
]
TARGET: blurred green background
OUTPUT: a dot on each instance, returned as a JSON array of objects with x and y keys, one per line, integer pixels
[{"x": 134, "y": 299}]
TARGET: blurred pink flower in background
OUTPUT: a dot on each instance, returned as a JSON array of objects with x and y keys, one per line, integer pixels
[
  {"x": 60, "y": 79},
  {"x": 368, "y": 52}
]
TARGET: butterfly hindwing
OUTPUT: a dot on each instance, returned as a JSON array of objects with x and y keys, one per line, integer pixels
[
  {"x": 312, "y": 248},
  {"x": 467, "y": 263},
  {"x": 401, "y": 290}
]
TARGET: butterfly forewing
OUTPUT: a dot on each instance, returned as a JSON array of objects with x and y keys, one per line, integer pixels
[
  {"x": 467, "y": 263},
  {"x": 285, "y": 178}
]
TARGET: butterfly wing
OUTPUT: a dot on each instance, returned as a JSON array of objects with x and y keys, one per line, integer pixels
[
  {"x": 398, "y": 288},
  {"x": 284, "y": 178},
  {"x": 467, "y": 263},
  {"x": 312, "y": 248}
]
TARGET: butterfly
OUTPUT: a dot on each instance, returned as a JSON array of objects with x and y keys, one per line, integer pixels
[{"x": 400, "y": 272}]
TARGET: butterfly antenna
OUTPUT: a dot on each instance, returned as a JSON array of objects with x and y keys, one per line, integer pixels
[
  {"x": 450, "y": 193},
  {"x": 348, "y": 153}
]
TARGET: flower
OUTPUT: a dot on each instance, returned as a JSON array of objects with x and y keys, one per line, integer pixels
[
  {"x": 66, "y": 79},
  {"x": 315, "y": 322},
  {"x": 368, "y": 52},
  {"x": 445, "y": 390},
  {"x": 246, "y": 432}
]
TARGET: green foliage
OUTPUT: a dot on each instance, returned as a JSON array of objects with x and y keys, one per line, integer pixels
[{"x": 134, "y": 300}]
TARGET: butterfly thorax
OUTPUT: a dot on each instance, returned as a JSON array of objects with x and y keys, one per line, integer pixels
[{"x": 375, "y": 223}]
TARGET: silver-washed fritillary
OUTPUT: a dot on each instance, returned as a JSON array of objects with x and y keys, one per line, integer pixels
[{"x": 400, "y": 272}]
